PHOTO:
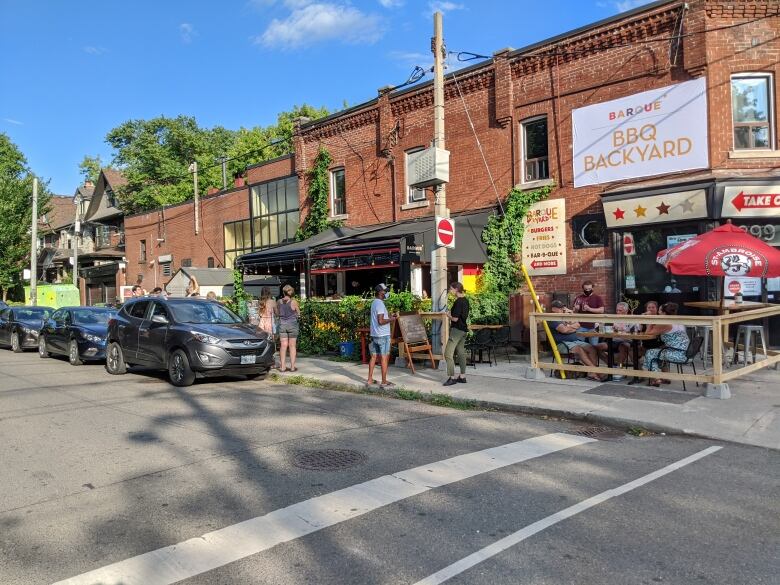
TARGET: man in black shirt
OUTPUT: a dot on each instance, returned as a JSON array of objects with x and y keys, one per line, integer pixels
[{"x": 459, "y": 315}]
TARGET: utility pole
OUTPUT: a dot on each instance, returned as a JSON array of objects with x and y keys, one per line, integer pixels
[
  {"x": 194, "y": 171},
  {"x": 34, "y": 248},
  {"x": 223, "y": 161},
  {"x": 439, "y": 254},
  {"x": 76, "y": 237}
]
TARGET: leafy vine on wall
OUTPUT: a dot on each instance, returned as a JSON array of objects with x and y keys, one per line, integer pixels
[
  {"x": 317, "y": 220},
  {"x": 504, "y": 238}
]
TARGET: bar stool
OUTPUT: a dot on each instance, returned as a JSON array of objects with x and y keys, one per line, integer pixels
[{"x": 748, "y": 333}]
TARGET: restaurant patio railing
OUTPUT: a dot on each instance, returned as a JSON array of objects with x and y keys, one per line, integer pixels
[{"x": 719, "y": 327}]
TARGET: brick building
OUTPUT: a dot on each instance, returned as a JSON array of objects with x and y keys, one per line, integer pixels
[{"x": 522, "y": 104}]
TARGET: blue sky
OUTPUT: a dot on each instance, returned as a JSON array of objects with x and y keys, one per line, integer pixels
[{"x": 74, "y": 69}]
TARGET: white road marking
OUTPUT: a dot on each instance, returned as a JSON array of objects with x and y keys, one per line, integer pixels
[
  {"x": 519, "y": 536},
  {"x": 232, "y": 543}
]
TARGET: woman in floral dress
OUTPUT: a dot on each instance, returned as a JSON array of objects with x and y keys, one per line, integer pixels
[{"x": 675, "y": 343}]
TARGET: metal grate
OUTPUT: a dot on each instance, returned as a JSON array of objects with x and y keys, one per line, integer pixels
[
  {"x": 602, "y": 433},
  {"x": 328, "y": 459}
]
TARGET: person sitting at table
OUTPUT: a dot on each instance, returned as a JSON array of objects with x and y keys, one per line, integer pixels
[
  {"x": 565, "y": 335},
  {"x": 620, "y": 345},
  {"x": 674, "y": 340}
]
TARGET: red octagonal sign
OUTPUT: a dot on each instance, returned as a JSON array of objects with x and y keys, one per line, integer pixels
[{"x": 445, "y": 232}]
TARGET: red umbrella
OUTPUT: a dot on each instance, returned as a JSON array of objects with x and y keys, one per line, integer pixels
[{"x": 725, "y": 251}]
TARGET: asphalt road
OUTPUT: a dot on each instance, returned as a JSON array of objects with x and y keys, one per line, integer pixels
[{"x": 129, "y": 480}]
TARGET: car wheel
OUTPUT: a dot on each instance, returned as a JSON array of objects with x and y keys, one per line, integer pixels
[
  {"x": 73, "y": 353},
  {"x": 42, "y": 351},
  {"x": 179, "y": 370},
  {"x": 16, "y": 344},
  {"x": 115, "y": 359}
]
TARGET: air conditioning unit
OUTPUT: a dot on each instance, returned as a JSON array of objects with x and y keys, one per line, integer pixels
[{"x": 429, "y": 167}]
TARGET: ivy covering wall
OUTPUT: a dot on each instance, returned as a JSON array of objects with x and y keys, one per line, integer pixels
[
  {"x": 317, "y": 220},
  {"x": 504, "y": 238}
]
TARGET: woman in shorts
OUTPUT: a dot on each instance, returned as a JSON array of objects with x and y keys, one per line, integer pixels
[{"x": 289, "y": 312}]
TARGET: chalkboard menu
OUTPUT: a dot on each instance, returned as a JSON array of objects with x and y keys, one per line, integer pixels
[{"x": 412, "y": 329}]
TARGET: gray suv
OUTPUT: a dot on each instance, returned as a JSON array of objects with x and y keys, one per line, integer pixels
[{"x": 188, "y": 337}]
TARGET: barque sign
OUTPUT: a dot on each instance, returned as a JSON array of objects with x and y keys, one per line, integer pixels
[{"x": 654, "y": 132}]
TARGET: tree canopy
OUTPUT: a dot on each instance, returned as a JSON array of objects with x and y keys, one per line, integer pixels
[
  {"x": 89, "y": 168},
  {"x": 155, "y": 155},
  {"x": 16, "y": 180}
]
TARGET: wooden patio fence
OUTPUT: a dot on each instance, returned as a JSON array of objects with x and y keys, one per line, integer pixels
[{"x": 718, "y": 323}]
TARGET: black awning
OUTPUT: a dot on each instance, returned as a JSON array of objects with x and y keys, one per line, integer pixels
[{"x": 296, "y": 251}]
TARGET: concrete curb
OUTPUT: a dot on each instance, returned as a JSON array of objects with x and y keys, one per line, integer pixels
[{"x": 612, "y": 421}]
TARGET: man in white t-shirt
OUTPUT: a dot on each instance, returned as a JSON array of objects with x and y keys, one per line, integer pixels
[{"x": 380, "y": 336}]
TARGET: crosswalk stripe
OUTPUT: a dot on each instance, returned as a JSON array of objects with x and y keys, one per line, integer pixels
[
  {"x": 215, "y": 549},
  {"x": 516, "y": 537}
]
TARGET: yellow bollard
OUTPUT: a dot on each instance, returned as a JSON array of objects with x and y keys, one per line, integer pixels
[{"x": 539, "y": 309}]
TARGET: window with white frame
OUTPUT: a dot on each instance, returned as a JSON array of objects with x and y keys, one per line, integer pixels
[
  {"x": 534, "y": 137},
  {"x": 751, "y": 111},
  {"x": 413, "y": 195},
  {"x": 338, "y": 193}
]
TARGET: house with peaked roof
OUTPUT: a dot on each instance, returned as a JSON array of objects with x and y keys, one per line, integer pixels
[{"x": 105, "y": 220}]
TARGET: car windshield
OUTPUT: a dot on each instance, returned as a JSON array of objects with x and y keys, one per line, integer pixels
[
  {"x": 92, "y": 316},
  {"x": 31, "y": 314},
  {"x": 200, "y": 312}
]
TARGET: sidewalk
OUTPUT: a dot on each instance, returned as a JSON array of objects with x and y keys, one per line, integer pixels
[{"x": 751, "y": 416}]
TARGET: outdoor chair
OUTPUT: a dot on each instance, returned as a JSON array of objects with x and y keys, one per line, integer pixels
[
  {"x": 481, "y": 342},
  {"x": 694, "y": 347},
  {"x": 501, "y": 338}
]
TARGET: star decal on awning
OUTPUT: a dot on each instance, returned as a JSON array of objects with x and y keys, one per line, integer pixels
[
  {"x": 640, "y": 211},
  {"x": 663, "y": 209},
  {"x": 619, "y": 213},
  {"x": 687, "y": 206}
]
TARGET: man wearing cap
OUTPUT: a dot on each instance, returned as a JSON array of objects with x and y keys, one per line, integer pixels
[{"x": 380, "y": 336}]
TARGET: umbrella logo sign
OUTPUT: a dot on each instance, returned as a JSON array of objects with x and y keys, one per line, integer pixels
[{"x": 736, "y": 261}]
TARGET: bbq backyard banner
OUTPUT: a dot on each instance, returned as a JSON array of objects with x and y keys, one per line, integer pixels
[{"x": 650, "y": 133}]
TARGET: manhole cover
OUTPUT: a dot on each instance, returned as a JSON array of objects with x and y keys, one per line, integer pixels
[
  {"x": 602, "y": 433},
  {"x": 328, "y": 459}
]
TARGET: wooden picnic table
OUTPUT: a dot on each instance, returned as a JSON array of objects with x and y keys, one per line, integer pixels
[
  {"x": 478, "y": 327},
  {"x": 634, "y": 338}
]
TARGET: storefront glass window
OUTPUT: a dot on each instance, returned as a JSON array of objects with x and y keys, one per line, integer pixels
[{"x": 275, "y": 210}]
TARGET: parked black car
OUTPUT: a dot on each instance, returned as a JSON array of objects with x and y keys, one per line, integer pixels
[
  {"x": 189, "y": 337},
  {"x": 19, "y": 326},
  {"x": 78, "y": 332}
]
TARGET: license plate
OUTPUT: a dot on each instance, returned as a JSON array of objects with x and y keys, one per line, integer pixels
[{"x": 248, "y": 359}]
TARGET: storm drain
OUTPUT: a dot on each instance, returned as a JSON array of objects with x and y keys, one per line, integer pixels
[
  {"x": 602, "y": 433},
  {"x": 328, "y": 459}
]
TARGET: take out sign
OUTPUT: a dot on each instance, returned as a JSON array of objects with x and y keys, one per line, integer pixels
[
  {"x": 650, "y": 133},
  {"x": 751, "y": 200}
]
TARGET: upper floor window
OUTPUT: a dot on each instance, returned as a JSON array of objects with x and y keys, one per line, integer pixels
[
  {"x": 413, "y": 195},
  {"x": 338, "y": 193},
  {"x": 751, "y": 110},
  {"x": 142, "y": 251},
  {"x": 534, "y": 137}
]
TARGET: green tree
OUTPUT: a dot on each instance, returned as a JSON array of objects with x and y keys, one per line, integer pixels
[
  {"x": 89, "y": 168},
  {"x": 16, "y": 182}
]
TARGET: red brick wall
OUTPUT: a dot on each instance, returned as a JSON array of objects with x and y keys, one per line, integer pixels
[
  {"x": 178, "y": 229},
  {"x": 281, "y": 167},
  {"x": 553, "y": 81}
]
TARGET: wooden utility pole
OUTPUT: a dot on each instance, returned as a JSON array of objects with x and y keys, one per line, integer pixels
[
  {"x": 194, "y": 171},
  {"x": 34, "y": 248},
  {"x": 439, "y": 254}
]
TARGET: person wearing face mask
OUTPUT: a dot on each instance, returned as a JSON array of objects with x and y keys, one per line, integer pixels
[{"x": 588, "y": 302}]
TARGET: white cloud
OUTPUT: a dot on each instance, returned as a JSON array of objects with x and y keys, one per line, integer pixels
[
  {"x": 187, "y": 32},
  {"x": 625, "y": 5},
  {"x": 14, "y": 122},
  {"x": 391, "y": 3},
  {"x": 90, "y": 50},
  {"x": 410, "y": 58},
  {"x": 317, "y": 22},
  {"x": 444, "y": 6}
]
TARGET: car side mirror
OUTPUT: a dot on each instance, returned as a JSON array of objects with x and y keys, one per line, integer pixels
[{"x": 161, "y": 319}]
